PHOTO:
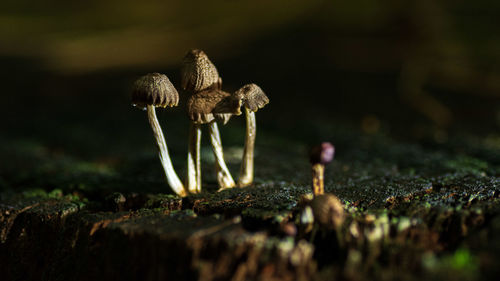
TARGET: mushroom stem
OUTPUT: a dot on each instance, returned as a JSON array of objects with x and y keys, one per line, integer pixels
[
  {"x": 246, "y": 169},
  {"x": 224, "y": 177},
  {"x": 193, "y": 179},
  {"x": 318, "y": 171},
  {"x": 172, "y": 178}
]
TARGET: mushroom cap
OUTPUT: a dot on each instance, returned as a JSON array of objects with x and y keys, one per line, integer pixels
[
  {"x": 198, "y": 73},
  {"x": 252, "y": 97},
  {"x": 322, "y": 154},
  {"x": 206, "y": 106},
  {"x": 154, "y": 89},
  {"x": 328, "y": 210}
]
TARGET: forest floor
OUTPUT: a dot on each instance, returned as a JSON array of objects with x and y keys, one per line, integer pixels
[{"x": 83, "y": 197}]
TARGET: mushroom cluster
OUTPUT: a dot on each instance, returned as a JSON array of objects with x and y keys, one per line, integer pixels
[{"x": 206, "y": 103}]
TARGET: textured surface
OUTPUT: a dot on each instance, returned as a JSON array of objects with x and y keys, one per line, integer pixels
[
  {"x": 154, "y": 89},
  {"x": 252, "y": 96},
  {"x": 206, "y": 106},
  {"x": 198, "y": 73}
]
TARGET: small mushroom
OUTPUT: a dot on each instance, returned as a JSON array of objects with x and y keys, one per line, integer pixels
[
  {"x": 253, "y": 98},
  {"x": 320, "y": 156},
  {"x": 327, "y": 208},
  {"x": 328, "y": 211},
  {"x": 155, "y": 90},
  {"x": 206, "y": 104}
]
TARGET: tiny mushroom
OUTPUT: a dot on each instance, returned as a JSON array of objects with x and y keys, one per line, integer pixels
[
  {"x": 206, "y": 104},
  {"x": 156, "y": 90},
  {"x": 327, "y": 208},
  {"x": 253, "y": 99},
  {"x": 320, "y": 156}
]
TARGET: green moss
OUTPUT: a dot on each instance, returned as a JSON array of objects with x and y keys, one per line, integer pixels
[
  {"x": 462, "y": 259},
  {"x": 35, "y": 192},
  {"x": 271, "y": 216},
  {"x": 467, "y": 165},
  {"x": 55, "y": 193},
  {"x": 460, "y": 265},
  {"x": 164, "y": 201}
]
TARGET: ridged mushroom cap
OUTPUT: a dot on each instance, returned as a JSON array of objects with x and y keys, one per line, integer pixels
[
  {"x": 252, "y": 97},
  {"x": 328, "y": 210},
  {"x": 205, "y": 106},
  {"x": 198, "y": 73},
  {"x": 154, "y": 89}
]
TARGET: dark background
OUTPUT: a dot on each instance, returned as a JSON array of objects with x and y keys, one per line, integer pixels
[{"x": 425, "y": 72}]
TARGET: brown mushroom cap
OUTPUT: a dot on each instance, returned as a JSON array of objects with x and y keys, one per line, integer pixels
[
  {"x": 328, "y": 210},
  {"x": 198, "y": 73},
  {"x": 154, "y": 89},
  {"x": 252, "y": 97},
  {"x": 205, "y": 106}
]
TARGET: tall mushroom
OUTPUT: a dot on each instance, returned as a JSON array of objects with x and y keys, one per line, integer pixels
[
  {"x": 207, "y": 107},
  {"x": 155, "y": 90},
  {"x": 206, "y": 104},
  {"x": 253, "y": 98}
]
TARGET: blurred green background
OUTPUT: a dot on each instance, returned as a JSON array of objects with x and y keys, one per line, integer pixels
[{"x": 421, "y": 71}]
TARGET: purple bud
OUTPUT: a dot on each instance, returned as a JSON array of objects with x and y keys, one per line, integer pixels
[{"x": 322, "y": 154}]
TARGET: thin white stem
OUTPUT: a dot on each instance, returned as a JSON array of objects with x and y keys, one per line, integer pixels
[
  {"x": 172, "y": 178},
  {"x": 224, "y": 177},
  {"x": 246, "y": 169},
  {"x": 193, "y": 179}
]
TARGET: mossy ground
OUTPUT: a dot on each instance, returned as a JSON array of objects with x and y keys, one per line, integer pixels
[{"x": 82, "y": 194}]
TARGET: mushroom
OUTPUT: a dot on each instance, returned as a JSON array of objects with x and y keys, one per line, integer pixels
[
  {"x": 320, "y": 156},
  {"x": 253, "y": 98},
  {"x": 155, "y": 90},
  {"x": 198, "y": 72},
  {"x": 207, "y": 107},
  {"x": 328, "y": 211},
  {"x": 206, "y": 104},
  {"x": 327, "y": 208}
]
